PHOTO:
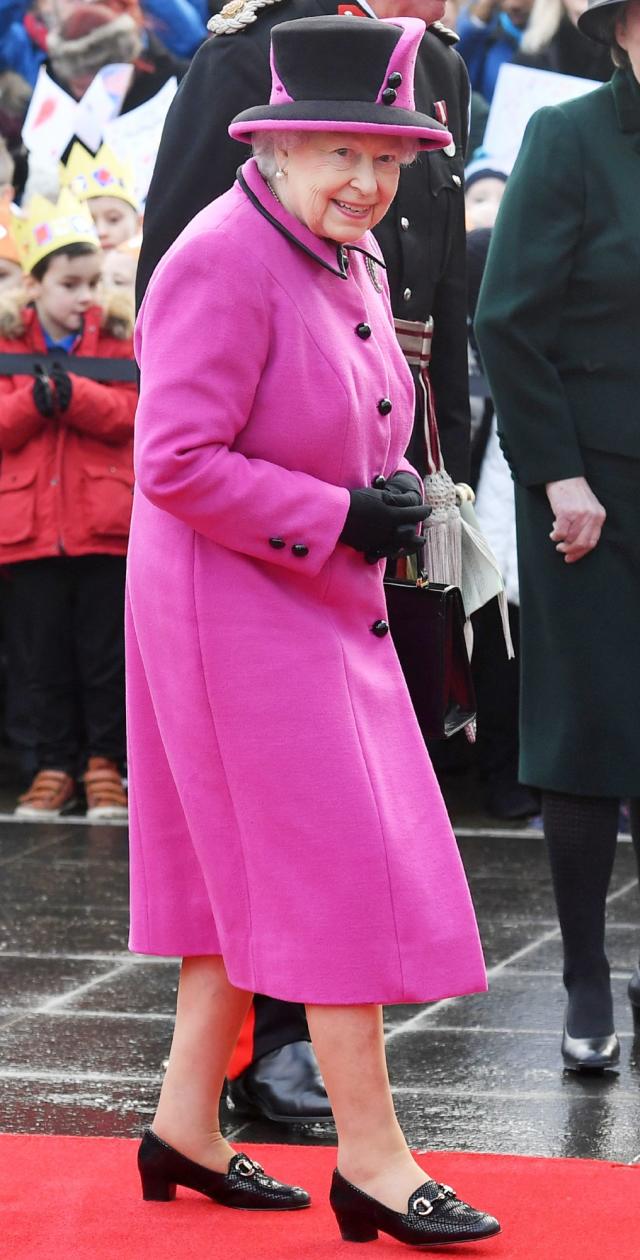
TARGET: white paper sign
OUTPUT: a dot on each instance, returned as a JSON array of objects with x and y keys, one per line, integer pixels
[
  {"x": 101, "y": 102},
  {"x": 520, "y": 91},
  {"x": 135, "y": 136},
  {"x": 50, "y": 121}
]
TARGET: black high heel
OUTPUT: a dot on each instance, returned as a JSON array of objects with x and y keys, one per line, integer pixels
[
  {"x": 634, "y": 998},
  {"x": 435, "y": 1216},
  {"x": 590, "y": 1054},
  {"x": 244, "y": 1185}
]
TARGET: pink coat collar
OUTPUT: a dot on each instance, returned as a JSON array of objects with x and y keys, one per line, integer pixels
[{"x": 328, "y": 253}]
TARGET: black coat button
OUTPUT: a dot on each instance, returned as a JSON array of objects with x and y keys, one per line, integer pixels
[
  {"x": 379, "y": 482},
  {"x": 388, "y": 96},
  {"x": 299, "y": 549},
  {"x": 394, "y": 79},
  {"x": 380, "y": 628},
  {"x": 384, "y": 406},
  {"x": 363, "y": 331},
  {"x": 277, "y": 543}
]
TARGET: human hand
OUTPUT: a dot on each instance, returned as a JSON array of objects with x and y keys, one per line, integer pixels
[
  {"x": 63, "y": 386},
  {"x": 43, "y": 393},
  {"x": 383, "y": 522},
  {"x": 578, "y": 517},
  {"x": 402, "y": 489}
]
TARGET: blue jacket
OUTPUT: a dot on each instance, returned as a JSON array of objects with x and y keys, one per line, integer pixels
[
  {"x": 17, "y": 50},
  {"x": 181, "y": 25},
  {"x": 485, "y": 46}
]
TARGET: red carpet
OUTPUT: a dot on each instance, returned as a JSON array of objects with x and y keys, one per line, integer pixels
[{"x": 67, "y": 1198}]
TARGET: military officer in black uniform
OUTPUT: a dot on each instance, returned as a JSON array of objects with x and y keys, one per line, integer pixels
[{"x": 423, "y": 240}]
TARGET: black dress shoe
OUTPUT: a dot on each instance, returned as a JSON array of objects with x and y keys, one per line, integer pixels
[
  {"x": 590, "y": 1054},
  {"x": 634, "y": 998},
  {"x": 284, "y": 1086},
  {"x": 435, "y": 1216},
  {"x": 244, "y": 1185}
]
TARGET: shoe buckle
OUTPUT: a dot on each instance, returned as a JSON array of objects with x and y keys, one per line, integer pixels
[
  {"x": 245, "y": 1168},
  {"x": 447, "y": 1192},
  {"x": 423, "y": 1207}
]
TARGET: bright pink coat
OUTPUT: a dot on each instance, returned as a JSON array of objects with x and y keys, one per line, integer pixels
[{"x": 284, "y": 811}]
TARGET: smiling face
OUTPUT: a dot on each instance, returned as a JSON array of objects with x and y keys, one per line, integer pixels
[
  {"x": 66, "y": 291},
  {"x": 115, "y": 220},
  {"x": 339, "y": 184}
]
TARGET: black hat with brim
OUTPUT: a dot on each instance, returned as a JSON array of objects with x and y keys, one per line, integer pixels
[
  {"x": 346, "y": 75},
  {"x": 595, "y": 22}
]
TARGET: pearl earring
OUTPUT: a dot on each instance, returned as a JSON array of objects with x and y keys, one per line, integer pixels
[{"x": 279, "y": 174}]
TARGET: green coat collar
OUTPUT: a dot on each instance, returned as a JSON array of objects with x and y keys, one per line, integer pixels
[{"x": 626, "y": 94}]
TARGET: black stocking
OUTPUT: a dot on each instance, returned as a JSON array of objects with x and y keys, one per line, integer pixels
[{"x": 581, "y": 834}]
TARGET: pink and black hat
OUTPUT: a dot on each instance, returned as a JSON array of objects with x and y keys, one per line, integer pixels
[{"x": 344, "y": 74}]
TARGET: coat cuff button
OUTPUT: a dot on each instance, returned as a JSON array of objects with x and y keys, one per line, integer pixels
[
  {"x": 299, "y": 549},
  {"x": 379, "y": 482},
  {"x": 380, "y": 628},
  {"x": 277, "y": 543}
]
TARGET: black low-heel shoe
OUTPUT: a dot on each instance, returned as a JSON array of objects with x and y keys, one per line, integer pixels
[
  {"x": 435, "y": 1216},
  {"x": 245, "y": 1185},
  {"x": 590, "y": 1054},
  {"x": 634, "y": 998}
]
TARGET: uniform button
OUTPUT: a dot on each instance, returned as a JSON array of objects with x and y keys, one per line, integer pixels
[
  {"x": 407, "y": 294},
  {"x": 395, "y": 79},
  {"x": 388, "y": 96},
  {"x": 457, "y": 181},
  {"x": 363, "y": 331},
  {"x": 299, "y": 549},
  {"x": 384, "y": 406},
  {"x": 380, "y": 628},
  {"x": 277, "y": 543},
  {"x": 404, "y": 224},
  {"x": 379, "y": 482}
]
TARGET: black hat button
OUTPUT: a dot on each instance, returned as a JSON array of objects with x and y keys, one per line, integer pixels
[
  {"x": 394, "y": 79},
  {"x": 380, "y": 628},
  {"x": 388, "y": 96},
  {"x": 363, "y": 331},
  {"x": 385, "y": 406},
  {"x": 277, "y": 543},
  {"x": 379, "y": 482},
  {"x": 299, "y": 549}
]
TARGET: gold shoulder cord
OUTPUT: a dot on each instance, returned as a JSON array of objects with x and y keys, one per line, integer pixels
[{"x": 236, "y": 15}]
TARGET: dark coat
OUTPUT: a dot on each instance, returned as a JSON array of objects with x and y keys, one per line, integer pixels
[
  {"x": 558, "y": 325},
  {"x": 422, "y": 236},
  {"x": 570, "y": 52}
]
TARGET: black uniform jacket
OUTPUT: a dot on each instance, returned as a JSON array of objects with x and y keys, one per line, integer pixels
[{"x": 422, "y": 236}]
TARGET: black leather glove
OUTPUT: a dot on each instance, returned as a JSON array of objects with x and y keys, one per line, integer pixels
[
  {"x": 405, "y": 484},
  {"x": 43, "y": 395},
  {"x": 383, "y": 522},
  {"x": 63, "y": 384}
]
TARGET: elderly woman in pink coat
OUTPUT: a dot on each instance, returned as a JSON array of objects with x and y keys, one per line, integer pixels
[{"x": 287, "y": 832}]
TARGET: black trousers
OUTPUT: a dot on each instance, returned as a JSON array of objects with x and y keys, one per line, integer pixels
[
  {"x": 67, "y": 614},
  {"x": 277, "y": 1024}
]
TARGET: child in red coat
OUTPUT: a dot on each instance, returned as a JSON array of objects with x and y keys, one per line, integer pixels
[{"x": 66, "y": 485}]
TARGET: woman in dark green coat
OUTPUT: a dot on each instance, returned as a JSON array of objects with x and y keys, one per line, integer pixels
[{"x": 558, "y": 324}]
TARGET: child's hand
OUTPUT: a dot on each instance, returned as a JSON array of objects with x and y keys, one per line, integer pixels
[
  {"x": 63, "y": 386},
  {"x": 43, "y": 393}
]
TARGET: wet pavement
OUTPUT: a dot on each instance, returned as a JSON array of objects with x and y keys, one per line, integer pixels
[{"x": 85, "y": 1026}]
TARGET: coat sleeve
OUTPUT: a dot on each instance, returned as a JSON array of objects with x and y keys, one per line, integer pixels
[
  {"x": 20, "y": 419},
  {"x": 102, "y": 411},
  {"x": 521, "y": 302},
  {"x": 197, "y": 159},
  {"x": 201, "y": 361}
]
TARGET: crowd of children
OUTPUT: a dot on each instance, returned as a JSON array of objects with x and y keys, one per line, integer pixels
[{"x": 66, "y": 478}]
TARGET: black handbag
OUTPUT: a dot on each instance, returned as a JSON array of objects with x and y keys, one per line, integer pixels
[{"x": 426, "y": 620}]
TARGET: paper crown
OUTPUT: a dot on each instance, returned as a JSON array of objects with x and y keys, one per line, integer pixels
[
  {"x": 8, "y": 246},
  {"x": 46, "y": 226},
  {"x": 102, "y": 175}
]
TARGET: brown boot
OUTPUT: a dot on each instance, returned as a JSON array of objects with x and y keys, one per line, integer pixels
[
  {"x": 106, "y": 797},
  {"x": 52, "y": 793}
]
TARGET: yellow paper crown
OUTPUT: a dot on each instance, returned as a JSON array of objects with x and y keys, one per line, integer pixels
[
  {"x": 104, "y": 175},
  {"x": 45, "y": 227}
]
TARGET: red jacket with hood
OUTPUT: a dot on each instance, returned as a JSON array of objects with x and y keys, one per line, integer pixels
[{"x": 66, "y": 483}]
